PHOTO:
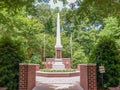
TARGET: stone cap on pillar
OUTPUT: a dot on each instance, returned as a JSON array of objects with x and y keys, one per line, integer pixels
[{"x": 3, "y": 88}]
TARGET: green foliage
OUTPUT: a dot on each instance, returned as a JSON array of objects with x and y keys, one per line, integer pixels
[
  {"x": 24, "y": 28},
  {"x": 111, "y": 29},
  {"x": 103, "y": 7},
  {"x": 86, "y": 39},
  {"x": 29, "y": 33},
  {"x": 66, "y": 46},
  {"x": 47, "y": 16},
  {"x": 106, "y": 53},
  {"x": 15, "y": 5},
  {"x": 95, "y": 11},
  {"x": 35, "y": 59},
  {"x": 79, "y": 57},
  {"x": 49, "y": 42},
  {"x": 11, "y": 54}
]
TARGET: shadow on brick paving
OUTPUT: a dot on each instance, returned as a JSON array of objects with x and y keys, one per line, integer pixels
[{"x": 51, "y": 87}]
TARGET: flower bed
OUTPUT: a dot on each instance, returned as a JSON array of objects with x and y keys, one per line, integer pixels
[{"x": 52, "y": 70}]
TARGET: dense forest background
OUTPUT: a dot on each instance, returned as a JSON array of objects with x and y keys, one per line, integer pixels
[{"x": 83, "y": 25}]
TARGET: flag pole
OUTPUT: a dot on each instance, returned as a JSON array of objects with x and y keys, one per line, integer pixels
[
  {"x": 44, "y": 47},
  {"x": 71, "y": 45}
]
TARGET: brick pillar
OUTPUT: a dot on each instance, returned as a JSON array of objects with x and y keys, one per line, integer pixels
[
  {"x": 37, "y": 67},
  {"x": 88, "y": 79},
  {"x": 27, "y": 76}
]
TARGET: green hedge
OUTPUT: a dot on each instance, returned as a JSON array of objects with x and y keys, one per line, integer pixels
[
  {"x": 52, "y": 70},
  {"x": 106, "y": 53},
  {"x": 11, "y": 54}
]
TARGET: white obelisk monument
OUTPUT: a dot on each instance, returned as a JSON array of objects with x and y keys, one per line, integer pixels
[{"x": 58, "y": 48}]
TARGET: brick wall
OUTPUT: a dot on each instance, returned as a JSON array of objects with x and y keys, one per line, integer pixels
[
  {"x": 50, "y": 61},
  {"x": 88, "y": 76},
  {"x": 67, "y": 62},
  {"x": 27, "y": 76}
]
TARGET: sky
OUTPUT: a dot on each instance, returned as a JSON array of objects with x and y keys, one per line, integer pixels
[
  {"x": 71, "y": 1},
  {"x": 60, "y": 4}
]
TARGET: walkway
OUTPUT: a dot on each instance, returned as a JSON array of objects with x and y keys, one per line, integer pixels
[{"x": 58, "y": 83}]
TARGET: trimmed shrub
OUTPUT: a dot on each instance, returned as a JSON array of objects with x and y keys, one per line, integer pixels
[
  {"x": 11, "y": 54},
  {"x": 106, "y": 53}
]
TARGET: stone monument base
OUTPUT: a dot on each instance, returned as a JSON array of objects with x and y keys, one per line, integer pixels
[
  {"x": 50, "y": 61},
  {"x": 58, "y": 65}
]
